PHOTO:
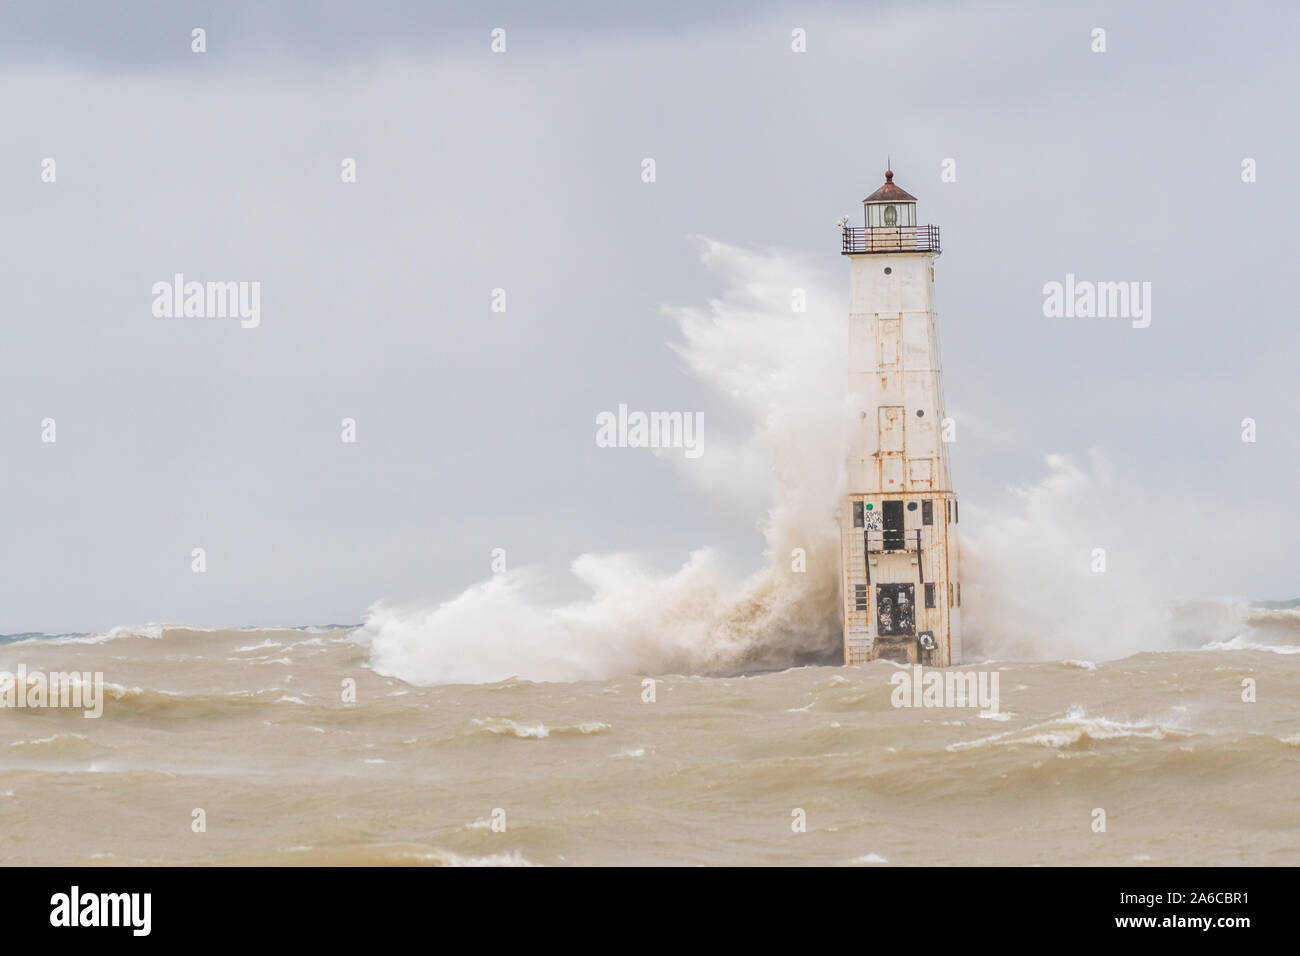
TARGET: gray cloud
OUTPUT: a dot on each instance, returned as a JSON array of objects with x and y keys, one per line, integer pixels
[{"x": 521, "y": 171}]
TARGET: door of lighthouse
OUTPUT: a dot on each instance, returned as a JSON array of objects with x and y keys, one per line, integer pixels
[
  {"x": 893, "y": 521},
  {"x": 895, "y": 610}
]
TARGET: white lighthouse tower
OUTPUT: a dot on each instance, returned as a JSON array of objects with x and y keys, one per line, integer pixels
[{"x": 902, "y": 591}]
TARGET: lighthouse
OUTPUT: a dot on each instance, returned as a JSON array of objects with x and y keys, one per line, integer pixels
[{"x": 902, "y": 588}]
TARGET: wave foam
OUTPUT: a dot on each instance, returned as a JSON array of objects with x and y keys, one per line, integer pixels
[
  {"x": 1073, "y": 729},
  {"x": 778, "y": 369},
  {"x": 505, "y": 727}
]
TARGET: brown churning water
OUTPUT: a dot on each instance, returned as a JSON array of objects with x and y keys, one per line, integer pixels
[{"x": 252, "y": 727}]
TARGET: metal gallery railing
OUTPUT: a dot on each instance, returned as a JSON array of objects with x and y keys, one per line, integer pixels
[{"x": 861, "y": 241}]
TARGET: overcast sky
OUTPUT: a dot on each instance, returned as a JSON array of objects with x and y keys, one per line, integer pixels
[{"x": 522, "y": 170}]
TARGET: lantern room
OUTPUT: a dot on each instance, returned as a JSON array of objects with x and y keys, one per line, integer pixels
[{"x": 889, "y": 206}]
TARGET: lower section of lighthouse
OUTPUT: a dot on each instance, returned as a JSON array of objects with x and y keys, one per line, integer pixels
[
  {"x": 900, "y": 560},
  {"x": 901, "y": 580}
]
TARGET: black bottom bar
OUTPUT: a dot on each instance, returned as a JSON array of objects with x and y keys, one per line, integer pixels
[{"x": 330, "y": 906}]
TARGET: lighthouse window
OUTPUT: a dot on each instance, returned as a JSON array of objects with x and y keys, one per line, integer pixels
[
  {"x": 911, "y": 506},
  {"x": 929, "y": 595},
  {"x": 927, "y": 512},
  {"x": 859, "y": 597},
  {"x": 920, "y": 413},
  {"x": 857, "y": 514},
  {"x": 891, "y": 216},
  {"x": 888, "y": 271},
  {"x": 956, "y": 512}
]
